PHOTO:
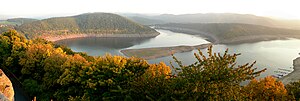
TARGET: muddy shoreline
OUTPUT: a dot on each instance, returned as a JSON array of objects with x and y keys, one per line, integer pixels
[
  {"x": 158, "y": 52},
  {"x": 54, "y": 38}
]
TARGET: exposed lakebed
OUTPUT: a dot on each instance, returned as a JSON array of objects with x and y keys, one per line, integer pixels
[{"x": 268, "y": 54}]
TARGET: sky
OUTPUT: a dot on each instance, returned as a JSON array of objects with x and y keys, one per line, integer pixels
[{"x": 283, "y": 9}]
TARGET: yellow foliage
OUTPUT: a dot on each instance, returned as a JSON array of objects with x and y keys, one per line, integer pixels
[
  {"x": 266, "y": 89},
  {"x": 157, "y": 70}
]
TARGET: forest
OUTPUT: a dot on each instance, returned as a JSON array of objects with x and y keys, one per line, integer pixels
[
  {"x": 49, "y": 71},
  {"x": 88, "y": 23}
]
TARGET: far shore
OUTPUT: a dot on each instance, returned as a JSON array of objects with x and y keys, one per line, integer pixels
[
  {"x": 54, "y": 38},
  {"x": 157, "y": 52},
  {"x": 234, "y": 40}
]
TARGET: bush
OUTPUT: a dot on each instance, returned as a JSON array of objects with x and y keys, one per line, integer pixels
[{"x": 293, "y": 89}]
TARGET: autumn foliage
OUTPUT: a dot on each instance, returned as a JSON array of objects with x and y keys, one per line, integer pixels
[
  {"x": 50, "y": 71},
  {"x": 266, "y": 89}
]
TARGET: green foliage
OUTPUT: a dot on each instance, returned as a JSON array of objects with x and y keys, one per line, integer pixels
[
  {"x": 106, "y": 78},
  {"x": 20, "y": 21},
  {"x": 12, "y": 46},
  {"x": 95, "y": 23},
  {"x": 16, "y": 21},
  {"x": 213, "y": 77},
  {"x": 293, "y": 89}
]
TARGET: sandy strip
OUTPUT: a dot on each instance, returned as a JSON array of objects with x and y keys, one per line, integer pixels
[
  {"x": 157, "y": 52},
  {"x": 72, "y": 36}
]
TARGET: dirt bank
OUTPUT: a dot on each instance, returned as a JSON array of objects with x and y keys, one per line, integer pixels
[
  {"x": 157, "y": 52},
  {"x": 71, "y": 36}
]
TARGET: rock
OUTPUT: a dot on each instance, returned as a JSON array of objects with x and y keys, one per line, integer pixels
[
  {"x": 6, "y": 89},
  {"x": 296, "y": 63}
]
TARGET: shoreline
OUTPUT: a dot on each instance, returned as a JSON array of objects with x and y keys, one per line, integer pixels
[
  {"x": 158, "y": 52},
  {"x": 294, "y": 75},
  {"x": 234, "y": 40},
  {"x": 211, "y": 38},
  {"x": 55, "y": 38}
]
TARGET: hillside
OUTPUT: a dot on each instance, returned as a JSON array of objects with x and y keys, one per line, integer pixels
[
  {"x": 146, "y": 21},
  {"x": 89, "y": 23},
  {"x": 17, "y": 21},
  {"x": 20, "y": 21},
  {"x": 220, "y": 18},
  {"x": 229, "y": 33}
]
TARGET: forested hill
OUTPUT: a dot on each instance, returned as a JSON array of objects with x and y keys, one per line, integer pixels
[
  {"x": 17, "y": 21},
  {"x": 232, "y": 32},
  {"x": 217, "y": 18},
  {"x": 89, "y": 23},
  {"x": 20, "y": 21}
]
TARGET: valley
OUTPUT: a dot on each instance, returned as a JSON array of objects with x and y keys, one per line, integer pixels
[{"x": 104, "y": 50}]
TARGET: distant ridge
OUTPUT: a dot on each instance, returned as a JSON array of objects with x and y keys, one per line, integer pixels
[
  {"x": 219, "y": 18},
  {"x": 88, "y": 23},
  {"x": 20, "y": 21}
]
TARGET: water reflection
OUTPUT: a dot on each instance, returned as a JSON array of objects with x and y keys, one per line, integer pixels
[
  {"x": 101, "y": 46},
  {"x": 268, "y": 54}
]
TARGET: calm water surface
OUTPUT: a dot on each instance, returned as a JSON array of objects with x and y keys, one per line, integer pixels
[{"x": 267, "y": 54}]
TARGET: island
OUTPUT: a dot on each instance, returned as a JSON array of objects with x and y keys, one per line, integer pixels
[{"x": 157, "y": 52}]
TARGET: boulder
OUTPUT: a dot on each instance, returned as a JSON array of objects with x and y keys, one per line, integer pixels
[{"x": 6, "y": 88}]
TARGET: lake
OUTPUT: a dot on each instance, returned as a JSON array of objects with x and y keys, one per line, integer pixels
[{"x": 267, "y": 54}]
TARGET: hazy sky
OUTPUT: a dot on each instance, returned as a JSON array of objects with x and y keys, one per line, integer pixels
[{"x": 288, "y": 9}]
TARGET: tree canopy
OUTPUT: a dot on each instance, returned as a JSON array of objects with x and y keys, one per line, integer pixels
[{"x": 89, "y": 23}]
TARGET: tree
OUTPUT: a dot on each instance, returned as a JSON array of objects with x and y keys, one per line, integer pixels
[
  {"x": 154, "y": 84},
  {"x": 12, "y": 47},
  {"x": 266, "y": 89},
  {"x": 158, "y": 70},
  {"x": 293, "y": 89},
  {"x": 106, "y": 78},
  {"x": 212, "y": 77}
]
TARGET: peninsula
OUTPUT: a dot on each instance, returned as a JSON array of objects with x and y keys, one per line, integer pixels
[
  {"x": 157, "y": 52},
  {"x": 232, "y": 33}
]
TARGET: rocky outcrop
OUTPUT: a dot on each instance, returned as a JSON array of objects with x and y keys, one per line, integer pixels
[
  {"x": 6, "y": 89},
  {"x": 294, "y": 76}
]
